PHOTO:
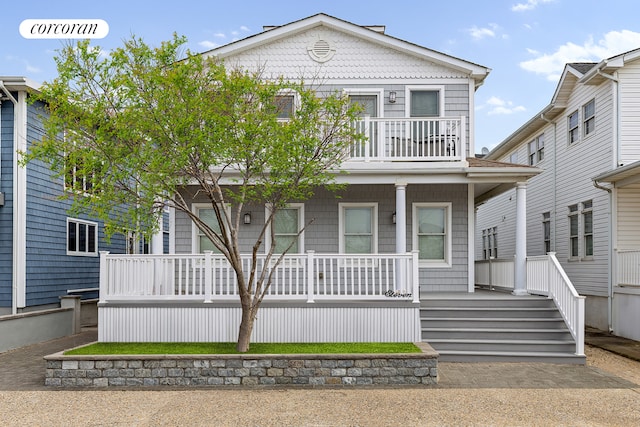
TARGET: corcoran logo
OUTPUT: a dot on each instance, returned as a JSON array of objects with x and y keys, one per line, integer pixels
[{"x": 64, "y": 28}]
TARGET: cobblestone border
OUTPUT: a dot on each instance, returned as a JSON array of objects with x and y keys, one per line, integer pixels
[{"x": 247, "y": 370}]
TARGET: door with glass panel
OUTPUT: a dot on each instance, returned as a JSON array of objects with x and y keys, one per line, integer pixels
[{"x": 369, "y": 104}]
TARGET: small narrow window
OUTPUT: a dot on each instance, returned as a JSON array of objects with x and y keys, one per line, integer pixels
[
  {"x": 546, "y": 231},
  {"x": 589, "y": 117},
  {"x": 573, "y": 231},
  {"x": 587, "y": 220},
  {"x": 490, "y": 243},
  {"x": 573, "y": 127}
]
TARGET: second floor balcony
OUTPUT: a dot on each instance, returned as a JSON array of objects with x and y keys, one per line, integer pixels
[{"x": 411, "y": 139}]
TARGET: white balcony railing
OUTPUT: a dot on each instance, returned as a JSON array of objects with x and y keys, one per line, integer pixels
[
  {"x": 209, "y": 277},
  {"x": 545, "y": 276},
  {"x": 410, "y": 139}
]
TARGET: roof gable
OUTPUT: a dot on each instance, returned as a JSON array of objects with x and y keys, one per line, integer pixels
[{"x": 377, "y": 55}]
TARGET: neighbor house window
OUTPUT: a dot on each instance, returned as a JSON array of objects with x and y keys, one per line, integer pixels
[
  {"x": 513, "y": 158},
  {"x": 490, "y": 243},
  {"x": 587, "y": 232},
  {"x": 546, "y": 231},
  {"x": 536, "y": 150},
  {"x": 432, "y": 233},
  {"x": 287, "y": 223},
  {"x": 207, "y": 214},
  {"x": 589, "y": 117},
  {"x": 82, "y": 237},
  {"x": 573, "y": 231},
  {"x": 358, "y": 224},
  {"x": 573, "y": 127},
  {"x": 74, "y": 178}
]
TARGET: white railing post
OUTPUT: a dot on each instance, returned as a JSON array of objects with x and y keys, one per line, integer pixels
[
  {"x": 580, "y": 326},
  {"x": 104, "y": 275},
  {"x": 415, "y": 275},
  {"x": 310, "y": 275},
  {"x": 367, "y": 142},
  {"x": 208, "y": 275}
]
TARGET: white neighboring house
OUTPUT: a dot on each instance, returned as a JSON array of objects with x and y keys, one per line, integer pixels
[{"x": 585, "y": 206}]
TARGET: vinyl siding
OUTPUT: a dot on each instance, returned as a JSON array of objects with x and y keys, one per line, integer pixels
[
  {"x": 628, "y": 218},
  {"x": 323, "y": 234},
  {"x": 629, "y": 101}
]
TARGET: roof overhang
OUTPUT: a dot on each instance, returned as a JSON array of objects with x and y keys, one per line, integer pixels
[
  {"x": 622, "y": 176},
  {"x": 16, "y": 83}
]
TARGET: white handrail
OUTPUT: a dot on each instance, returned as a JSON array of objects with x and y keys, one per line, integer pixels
[{"x": 209, "y": 277}]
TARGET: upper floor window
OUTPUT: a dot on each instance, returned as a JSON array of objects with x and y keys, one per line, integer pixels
[
  {"x": 287, "y": 223},
  {"x": 573, "y": 232},
  {"x": 589, "y": 117},
  {"x": 285, "y": 105},
  {"x": 587, "y": 227},
  {"x": 82, "y": 237},
  {"x": 358, "y": 224},
  {"x": 425, "y": 103},
  {"x": 573, "y": 127},
  {"x": 432, "y": 233},
  {"x": 536, "y": 150},
  {"x": 76, "y": 177}
]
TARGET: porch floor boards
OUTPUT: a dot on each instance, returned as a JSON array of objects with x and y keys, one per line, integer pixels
[{"x": 493, "y": 326}]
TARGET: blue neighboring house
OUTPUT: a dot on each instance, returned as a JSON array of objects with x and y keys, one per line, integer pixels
[{"x": 44, "y": 252}]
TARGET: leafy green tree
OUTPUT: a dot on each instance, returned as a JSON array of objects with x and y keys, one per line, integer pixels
[{"x": 143, "y": 123}]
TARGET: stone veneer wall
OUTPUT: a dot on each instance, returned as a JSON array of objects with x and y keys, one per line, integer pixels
[{"x": 236, "y": 370}]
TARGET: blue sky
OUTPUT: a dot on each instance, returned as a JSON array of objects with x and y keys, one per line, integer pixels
[{"x": 525, "y": 42}]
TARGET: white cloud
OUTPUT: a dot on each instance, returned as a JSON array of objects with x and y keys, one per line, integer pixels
[
  {"x": 498, "y": 106},
  {"x": 245, "y": 29},
  {"x": 481, "y": 33},
  {"x": 208, "y": 44},
  {"x": 220, "y": 35},
  {"x": 552, "y": 64},
  {"x": 529, "y": 5}
]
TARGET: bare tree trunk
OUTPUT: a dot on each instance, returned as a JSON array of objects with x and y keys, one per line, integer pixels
[{"x": 246, "y": 327}]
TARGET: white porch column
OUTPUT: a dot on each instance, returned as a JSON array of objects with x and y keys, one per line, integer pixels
[
  {"x": 520, "y": 267},
  {"x": 401, "y": 218}
]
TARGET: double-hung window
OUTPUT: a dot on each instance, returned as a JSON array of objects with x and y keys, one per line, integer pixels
[
  {"x": 82, "y": 237},
  {"x": 490, "y": 243},
  {"x": 573, "y": 232},
  {"x": 546, "y": 231},
  {"x": 589, "y": 117},
  {"x": 286, "y": 225},
  {"x": 358, "y": 224},
  {"x": 427, "y": 103},
  {"x": 432, "y": 233},
  {"x": 536, "y": 150},
  {"x": 587, "y": 227},
  {"x": 574, "y": 127}
]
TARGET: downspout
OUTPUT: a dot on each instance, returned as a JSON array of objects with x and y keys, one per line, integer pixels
[
  {"x": 555, "y": 186},
  {"x": 14, "y": 282},
  {"x": 616, "y": 162},
  {"x": 609, "y": 256}
]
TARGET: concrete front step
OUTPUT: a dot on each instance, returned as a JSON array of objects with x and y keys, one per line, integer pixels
[
  {"x": 494, "y": 334},
  {"x": 493, "y": 357},
  {"x": 531, "y": 346},
  {"x": 498, "y": 322},
  {"x": 428, "y": 301}
]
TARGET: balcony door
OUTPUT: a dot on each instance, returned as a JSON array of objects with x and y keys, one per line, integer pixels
[{"x": 371, "y": 108}]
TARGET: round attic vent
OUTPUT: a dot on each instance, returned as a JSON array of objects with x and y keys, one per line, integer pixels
[{"x": 321, "y": 50}]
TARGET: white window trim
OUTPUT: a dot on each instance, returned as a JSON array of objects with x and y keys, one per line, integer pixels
[
  {"x": 585, "y": 119},
  {"x": 195, "y": 237},
  {"x": 374, "y": 219},
  {"x": 574, "y": 214},
  {"x": 378, "y": 92},
  {"x": 447, "y": 263},
  {"x": 296, "y": 100},
  {"x": 301, "y": 223},
  {"x": 423, "y": 88},
  {"x": 569, "y": 128},
  {"x": 79, "y": 253}
]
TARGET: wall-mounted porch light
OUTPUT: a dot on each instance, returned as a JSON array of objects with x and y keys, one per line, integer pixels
[
  {"x": 392, "y": 97},
  {"x": 393, "y": 218},
  {"x": 247, "y": 218}
]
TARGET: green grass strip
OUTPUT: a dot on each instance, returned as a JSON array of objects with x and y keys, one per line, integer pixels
[{"x": 230, "y": 348}]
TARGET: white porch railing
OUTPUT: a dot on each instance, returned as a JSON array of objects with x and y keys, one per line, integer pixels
[
  {"x": 410, "y": 139},
  {"x": 545, "y": 276},
  {"x": 628, "y": 267},
  {"x": 209, "y": 277}
]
